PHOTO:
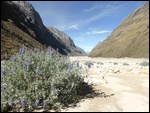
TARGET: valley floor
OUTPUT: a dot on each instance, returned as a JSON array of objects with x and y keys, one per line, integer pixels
[{"x": 122, "y": 83}]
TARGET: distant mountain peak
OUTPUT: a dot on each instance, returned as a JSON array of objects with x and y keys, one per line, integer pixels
[
  {"x": 60, "y": 35},
  {"x": 27, "y": 8}
]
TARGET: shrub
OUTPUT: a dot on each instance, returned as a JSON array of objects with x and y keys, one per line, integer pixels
[
  {"x": 115, "y": 63},
  {"x": 144, "y": 63},
  {"x": 126, "y": 64},
  {"x": 100, "y": 63},
  {"x": 37, "y": 78}
]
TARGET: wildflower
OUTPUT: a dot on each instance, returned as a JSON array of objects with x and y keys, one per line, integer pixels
[
  {"x": 44, "y": 103},
  {"x": 77, "y": 64},
  {"x": 57, "y": 50},
  {"x": 37, "y": 71},
  {"x": 14, "y": 59},
  {"x": 21, "y": 57},
  {"x": 36, "y": 103},
  {"x": 4, "y": 87},
  {"x": 69, "y": 67},
  {"x": 10, "y": 73},
  {"x": 35, "y": 50},
  {"x": 89, "y": 65},
  {"x": 29, "y": 60},
  {"x": 25, "y": 66},
  {"x": 23, "y": 103},
  {"x": 52, "y": 87},
  {"x": 53, "y": 52},
  {"x": 22, "y": 50},
  {"x": 68, "y": 55},
  {"x": 49, "y": 51},
  {"x": 3, "y": 72}
]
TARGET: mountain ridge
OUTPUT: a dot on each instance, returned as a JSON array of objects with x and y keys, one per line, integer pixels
[
  {"x": 21, "y": 24},
  {"x": 129, "y": 39}
]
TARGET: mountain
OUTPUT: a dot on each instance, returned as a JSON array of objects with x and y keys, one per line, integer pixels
[
  {"x": 67, "y": 41},
  {"x": 129, "y": 39},
  {"x": 21, "y": 24}
]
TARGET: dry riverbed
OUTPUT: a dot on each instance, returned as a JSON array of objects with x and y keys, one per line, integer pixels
[{"x": 123, "y": 81}]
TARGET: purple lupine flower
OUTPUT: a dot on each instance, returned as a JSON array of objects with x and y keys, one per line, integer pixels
[
  {"x": 68, "y": 55},
  {"x": 21, "y": 57},
  {"x": 22, "y": 50},
  {"x": 77, "y": 64},
  {"x": 10, "y": 73},
  {"x": 35, "y": 50},
  {"x": 14, "y": 59},
  {"x": 89, "y": 65},
  {"x": 23, "y": 103},
  {"x": 57, "y": 50},
  {"x": 4, "y": 87},
  {"x": 3, "y": 73},
  {"x": 52, "y": 87},
  {"x": 25, "y": 66},
  {"x": 53, "y": 52},
  {"x": 69, "y": 67},
  {"x": 29, "y": 60},
  {"x": 44, "y": 103},
  {"x": 37, "y": 71},
  {"x": 36, "y": 103},
  {"x": 49, "y": 51}
]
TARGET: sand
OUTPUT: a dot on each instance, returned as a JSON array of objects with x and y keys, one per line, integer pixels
[{"x": 126, "y": 87}]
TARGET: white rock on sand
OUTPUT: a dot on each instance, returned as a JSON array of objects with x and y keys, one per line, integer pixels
[{"x": 127, "y": 87}]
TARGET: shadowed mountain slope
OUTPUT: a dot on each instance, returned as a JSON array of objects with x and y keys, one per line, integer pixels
[{"x": 21, "y": 24}]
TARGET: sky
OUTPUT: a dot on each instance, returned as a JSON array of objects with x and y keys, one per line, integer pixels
[{"x": 85, "y": 22}]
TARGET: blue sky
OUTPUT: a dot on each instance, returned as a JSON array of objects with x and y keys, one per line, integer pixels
[{"x": 86, "y": 22}]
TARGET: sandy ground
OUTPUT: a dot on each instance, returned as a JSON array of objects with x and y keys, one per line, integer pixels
[{"x": 125, "y": 87}]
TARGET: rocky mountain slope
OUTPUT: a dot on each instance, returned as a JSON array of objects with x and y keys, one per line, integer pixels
[
  {"x": 129, "y": 39},
  {"x": 67, "y": 41},
  {"x": 21, "y": 24}
]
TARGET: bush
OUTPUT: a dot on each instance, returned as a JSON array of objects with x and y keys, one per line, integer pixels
[
  {"x": 100, "y": 63},
  {"x": 144, "y": 63},
  {"x": 37, "y": 78},
  {"x": 126, "y": 64},
  {"x": 115, "y": 63}
]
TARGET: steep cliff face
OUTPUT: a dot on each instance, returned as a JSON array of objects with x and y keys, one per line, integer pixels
[
  {"x": 67, "y": 41},
  {"x": 21, "y": 24},
  {"x": 129, "y": 39}
]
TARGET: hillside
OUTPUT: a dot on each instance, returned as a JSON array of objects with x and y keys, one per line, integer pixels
[
  {"x": 67, "y": 41},
  {"x": 21, "y": 24},
  {"x": 129, "y": 39}
]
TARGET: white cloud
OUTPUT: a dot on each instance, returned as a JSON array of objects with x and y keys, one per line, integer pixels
[
  {"x": 98, "y": 32},
  {"x": 69, "y": 27},
  {"x": 96, "y": 6},
  {"x": 107, "y": 10},
  {"x": 73, "y": 27}
]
